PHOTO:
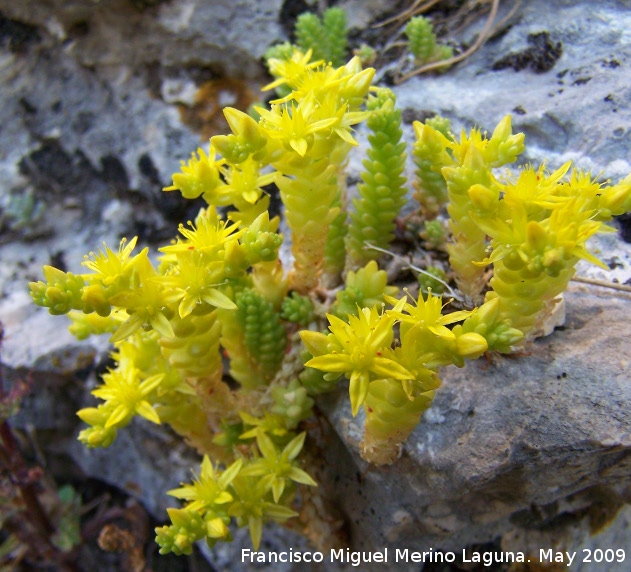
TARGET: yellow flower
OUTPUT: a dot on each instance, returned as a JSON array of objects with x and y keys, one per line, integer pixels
[
  {"x": 314, "y": 82},
  {"x": 199, "y": 176},
  {"x": 536, "y": 190},
  {"x": 210, "y": 488},
  {"x": 111, "y": 266},
  {"x": 292, "y": 70},
  {"x": 251, "y": 508},
  {"x": 128, "y": 395},
  {"x": 330, "y": 106},
  {"x": 194, "y": 282},
  {"x": 356, "y": 349},
  {"x": 276, "y": 467},
  {"x": 547, "y": 245},
  {"x": 294, "y": 125},
  {"x": 246, "y": 181},
  {"x": 247, "y": 138},
  {"x": 271, "y": 423},
  {"x": 425, "y": 313},
  {"x": 146, "y": 305},
  {"x": 208, "y": 235}
]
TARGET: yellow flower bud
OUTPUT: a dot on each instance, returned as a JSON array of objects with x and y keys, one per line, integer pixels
[
  {"x": 94, "y": 296},
  {"x": 471, "y": 345},
  {"x": 483, "y": 197}
]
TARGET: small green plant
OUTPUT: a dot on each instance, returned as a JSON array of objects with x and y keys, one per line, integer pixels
[
  {"x": 327, "y": 37},
  {"x": 422, "y": 42},
  {"x": 219, "y": 289},
  {"x": 21, "y": 214},
  {"x": 366, "y": 53},
  {"x": 382, "y": 191}
]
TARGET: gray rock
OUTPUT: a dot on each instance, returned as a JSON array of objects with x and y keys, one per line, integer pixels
[
  {"x": 230, "y": 36},
  {"x": 577, "y": 109},
  {"x": 505, "y": 438}
]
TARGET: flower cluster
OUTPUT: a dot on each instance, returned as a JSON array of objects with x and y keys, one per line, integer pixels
[
  {"x": 250, "y": 492},
  {"x": 207, "y": 339},
  {"x": 532, "y": 227},
  {"x": 394, "y": 381}
]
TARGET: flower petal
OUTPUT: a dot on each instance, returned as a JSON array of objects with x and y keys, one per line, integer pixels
[
  {"x": 266, "y": 446},
  {"x": 315, "y": 342},
  {"x": 215, "y": 298},
  {"x": 161, "y": 325},
  {"x": 331, "y": 362},
  {"x": 299, "y": 146},
  {"x": 293, "y": 448},
  {"x": 117, "y": 416},
  {"x": 387, "y": 368},
  {"x": 145, "y": 410},
  {"x": 358, "y": 390}
]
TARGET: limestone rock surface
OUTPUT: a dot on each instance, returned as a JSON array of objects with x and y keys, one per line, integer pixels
[{"x": 517, "y": 443}]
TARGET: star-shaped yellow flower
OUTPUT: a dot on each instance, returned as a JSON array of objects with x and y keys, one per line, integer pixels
[
  {"x": 356, "y": 349},
  {"x": 128, "y": 395},
  {"x": 295, "y": 125},
  {"x": 210, "y": 488},
  {"x": 425, "y": 313}
]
